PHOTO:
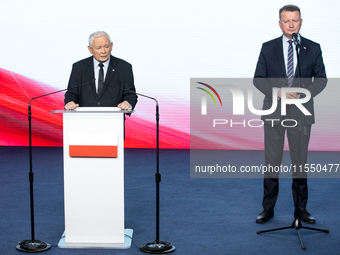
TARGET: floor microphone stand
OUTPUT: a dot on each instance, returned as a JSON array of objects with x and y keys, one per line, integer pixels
[
  {"x": 37, "y": 245},
  {"x": 301, "y": 128},
  {"x": 157, "y": 247},
  {"x": 32, "y": 245}
]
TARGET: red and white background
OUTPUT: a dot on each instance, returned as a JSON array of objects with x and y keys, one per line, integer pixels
[{"x": 167, "y": 43}]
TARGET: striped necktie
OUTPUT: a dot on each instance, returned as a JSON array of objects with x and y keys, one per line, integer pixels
[{"x": 290, "y": 64}]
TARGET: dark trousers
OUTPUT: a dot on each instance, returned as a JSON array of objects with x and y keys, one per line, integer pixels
[{"x": 274, "y": 143}]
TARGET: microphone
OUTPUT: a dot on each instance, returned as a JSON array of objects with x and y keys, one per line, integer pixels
[
  {"x": 77, "y": 86},
  {"x": 131, "y": 91},
  {"x": 296, "y": 39}
]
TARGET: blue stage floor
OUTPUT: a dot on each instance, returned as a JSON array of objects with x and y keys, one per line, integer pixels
[{"x": 198, "y": 216}]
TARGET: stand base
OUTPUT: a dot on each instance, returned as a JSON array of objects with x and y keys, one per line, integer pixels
[
  {"x": 297, "y": 225},
  {"x": 28, "y": 246},
  {"x": 160, "y": 248},
  {"x": 127, "y": 243}
]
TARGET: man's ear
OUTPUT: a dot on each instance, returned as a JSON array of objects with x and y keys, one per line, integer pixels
[{"x": 90, "y": 49}]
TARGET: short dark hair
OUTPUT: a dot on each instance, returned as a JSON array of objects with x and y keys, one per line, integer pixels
[{"x": 289, "y": 8}]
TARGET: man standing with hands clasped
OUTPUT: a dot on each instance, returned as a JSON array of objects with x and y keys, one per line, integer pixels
[
  {"x": 113, "y": 84},
  {"x": 277, "y": 66}
]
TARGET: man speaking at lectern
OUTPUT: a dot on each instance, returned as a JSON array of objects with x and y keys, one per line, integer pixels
[
  {"x": 113, "y": 84},
  {"x": 278, "y": 60}
]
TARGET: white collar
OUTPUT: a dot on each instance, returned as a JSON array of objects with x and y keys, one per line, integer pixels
[{"x": 96, "y": 62}]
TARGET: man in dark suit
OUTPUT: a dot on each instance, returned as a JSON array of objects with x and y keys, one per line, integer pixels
[
  {"x": 277, "y": 66},
  {"x": 112, "y": 85}
]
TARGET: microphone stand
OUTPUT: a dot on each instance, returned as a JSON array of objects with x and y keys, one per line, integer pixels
[
  {"x": 301, "y": 126},
  {"x": 34, "y": 245},
  {"x": 156, "y": 247}
]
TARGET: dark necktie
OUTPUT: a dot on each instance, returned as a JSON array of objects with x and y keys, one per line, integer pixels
[
  {"x": 100, "y": 78},
  {"x": 290, "y": 64}
]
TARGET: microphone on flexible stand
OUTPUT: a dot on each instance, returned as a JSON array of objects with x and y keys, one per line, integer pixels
[
  {"x": 34, "y": 245},
  {"x": 156, "y": 247},
  {"x": 131, "y": 91},
  {"x": 296, "y": 40}
]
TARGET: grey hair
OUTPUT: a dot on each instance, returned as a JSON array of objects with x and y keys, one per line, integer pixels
[{"x": 98, "y": 34}]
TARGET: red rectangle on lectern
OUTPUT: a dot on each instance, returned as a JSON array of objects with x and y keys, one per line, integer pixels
[{"x": 93, "y": 151}]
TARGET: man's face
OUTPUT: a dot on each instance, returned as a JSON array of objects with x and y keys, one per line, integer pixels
[
  {"x": 290, "y": 23},
  {"x": 101, "y": 48}
]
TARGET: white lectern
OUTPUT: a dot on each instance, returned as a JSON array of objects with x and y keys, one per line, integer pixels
[{"x": 94, "y": 178}]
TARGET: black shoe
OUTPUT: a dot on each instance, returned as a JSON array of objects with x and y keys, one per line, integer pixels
[
  {"x": 265, "y": 215},
  {"x": 304, "y": 215}
]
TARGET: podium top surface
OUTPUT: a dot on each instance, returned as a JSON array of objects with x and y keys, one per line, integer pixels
[{"x": 93, "y": 110}]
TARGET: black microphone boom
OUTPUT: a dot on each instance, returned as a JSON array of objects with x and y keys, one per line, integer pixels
[
  {"x": 156, "y": 247},
  {"x": 36, "y": 245}
]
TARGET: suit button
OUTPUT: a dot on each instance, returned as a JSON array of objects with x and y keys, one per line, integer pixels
[{"x": 98, "y": 103}]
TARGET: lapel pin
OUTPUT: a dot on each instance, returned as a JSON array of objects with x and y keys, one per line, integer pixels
[
  {"x": 113, "y": 70},
  {"x": 304, "y": 48}
]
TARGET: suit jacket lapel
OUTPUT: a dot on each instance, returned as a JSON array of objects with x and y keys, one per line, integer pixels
[
  {"x": 302, "y": 54},
  {"x": 279, "y": 55},
  {"x": 90, "y": 73}
]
